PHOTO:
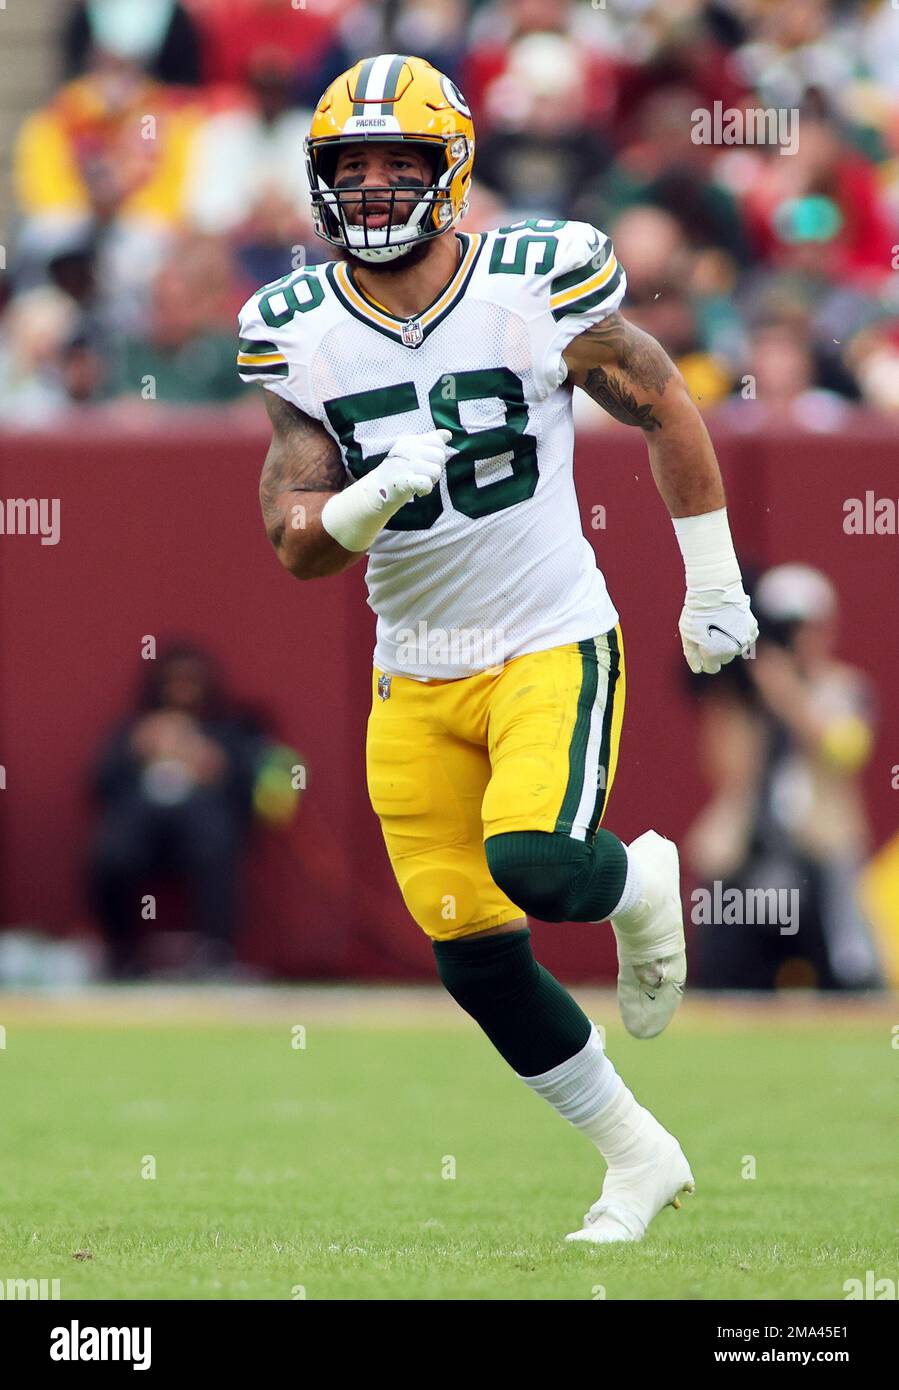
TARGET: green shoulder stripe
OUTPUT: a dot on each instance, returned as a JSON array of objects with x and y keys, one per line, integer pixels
[
  {"x": 272, "y": 369},
  {"x": 582, "y": 272},
  {"x": 589, "y": 301},
  {"x": 256, "y": 345}
]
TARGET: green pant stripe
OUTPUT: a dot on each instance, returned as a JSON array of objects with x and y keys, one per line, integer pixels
[
  {"x": 605, "y": 746},
  {"x": 577, "y": 749}
]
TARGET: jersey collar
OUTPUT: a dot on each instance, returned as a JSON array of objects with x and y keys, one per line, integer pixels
[{"x": 408, "y": 332}]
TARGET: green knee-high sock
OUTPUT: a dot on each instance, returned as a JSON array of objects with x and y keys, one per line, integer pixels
[{"x": 532, "y": 1021}]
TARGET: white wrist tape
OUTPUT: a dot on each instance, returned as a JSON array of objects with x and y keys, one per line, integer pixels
[
  {"x": 708, "y": 551},
  {"x": 355, "y": 516}
]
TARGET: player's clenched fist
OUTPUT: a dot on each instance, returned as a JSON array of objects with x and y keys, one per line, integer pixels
[
  {"x": 411, "y": 469},
  {"x": 716, "y": 622},
  {"x": 715, "y": 626}
]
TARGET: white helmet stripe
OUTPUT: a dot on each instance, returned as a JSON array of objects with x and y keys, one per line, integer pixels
[{"x": 377, "y": 78}]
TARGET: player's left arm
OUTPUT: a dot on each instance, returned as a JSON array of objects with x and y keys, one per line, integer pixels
[{"x": 632, "y": 377}]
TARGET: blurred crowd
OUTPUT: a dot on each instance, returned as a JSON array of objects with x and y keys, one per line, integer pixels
[
  {"x": 164, "y": 180},
  {"x": 784, "y": 739}
]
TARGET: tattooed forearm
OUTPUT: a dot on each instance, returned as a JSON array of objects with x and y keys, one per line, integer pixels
[
  {"x": 302, "y": 457},
  {"x": 634, "y": 379},
  {"x": 623, "y": 369},
  {"x": 621, "y": 403},
  {"x": 636, "y": 354},
  {"x": 302, "y": 470}
]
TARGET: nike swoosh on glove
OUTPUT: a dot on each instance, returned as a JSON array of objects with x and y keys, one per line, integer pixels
[{"x": 715, "y": 626}]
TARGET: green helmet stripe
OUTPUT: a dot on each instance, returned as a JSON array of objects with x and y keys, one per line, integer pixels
[
  {"x": 361, "y": 85},
  {"x": 390, "y": 83}
]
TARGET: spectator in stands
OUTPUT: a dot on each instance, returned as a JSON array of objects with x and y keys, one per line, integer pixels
[
  {"x": 175, "y": 786},
  {"x": 541, "y": 148},
  {"x": 432, "y": 29},
  {"x": 669, "y": 299},
  {"x": 786, "y": 382},
  {"x": 879, "y": 48},
  {"x": 233, "y": 34},
  {"x": 821, "y": 210},
  {"x": 105, "y": 159},
  {"x": 187, "y": 356},
  {"x": 503, "y": 23},
  {"x": 661, "y": 163},
  {"x": 682, "y": 46},
  {"x": 785, "y": 736},
  {"x": 247, "y": 176},
  {"x": 74, "y": 270},
  {"x": 36, "y": 328},
  {"x": 84, "y": 371},
  {"x": 795, "y": 49},
  {"x": 874, "y": 357},
  {"x": 162, "y": 32}
]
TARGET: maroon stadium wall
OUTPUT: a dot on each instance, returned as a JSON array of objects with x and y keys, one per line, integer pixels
[{"x": 160, "y": 534}]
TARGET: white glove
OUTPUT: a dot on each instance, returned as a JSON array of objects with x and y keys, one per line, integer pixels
[
  {"x": 716, "y": 622},
  {"x": 715, "y": 626},
  {"x": 413, "y": 467}
]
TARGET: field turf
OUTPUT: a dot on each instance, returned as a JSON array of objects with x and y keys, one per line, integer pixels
[{"x": 395, "y": 1157}]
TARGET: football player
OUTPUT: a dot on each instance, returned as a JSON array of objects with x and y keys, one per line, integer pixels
[{"x": 419, "y": 387}]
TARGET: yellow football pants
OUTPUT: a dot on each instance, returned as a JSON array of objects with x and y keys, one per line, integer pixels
[{"x": 530, "y": 746}]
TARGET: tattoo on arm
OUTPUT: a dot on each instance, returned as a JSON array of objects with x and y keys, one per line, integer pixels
[
  {"x": 623, "y": 364},
  {"x": 302, "y": 457},
  {"x": 621, "y": 403}
]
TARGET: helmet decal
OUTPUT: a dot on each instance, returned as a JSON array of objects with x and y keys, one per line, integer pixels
[{"x": 454, "y": 96}]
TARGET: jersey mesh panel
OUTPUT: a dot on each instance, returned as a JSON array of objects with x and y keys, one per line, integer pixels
[{"x": 489, "y": 588}]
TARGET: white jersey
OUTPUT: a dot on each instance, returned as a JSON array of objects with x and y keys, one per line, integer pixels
[{"x": 493, "y": 563}]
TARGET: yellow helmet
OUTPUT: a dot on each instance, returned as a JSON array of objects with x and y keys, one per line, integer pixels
[{"x": 387, "y": 98}]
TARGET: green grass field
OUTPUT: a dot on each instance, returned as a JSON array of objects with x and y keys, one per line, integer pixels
[{"x": 323, "y": 1167}]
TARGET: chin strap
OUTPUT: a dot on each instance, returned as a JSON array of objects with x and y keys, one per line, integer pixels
[{"x": 374, "y": 254}]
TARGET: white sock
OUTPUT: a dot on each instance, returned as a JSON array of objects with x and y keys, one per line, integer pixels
[
  {"x": 621, "y": 1129},
  {"x": 582, "y": 1087},
  {"x": 633, "y": 887},
  {"x": 587, "y": 1091}
]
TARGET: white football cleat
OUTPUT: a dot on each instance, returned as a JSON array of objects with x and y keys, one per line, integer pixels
[
  {"x": 633, "y": 1195},
  {"x": 652, "y": 960}
]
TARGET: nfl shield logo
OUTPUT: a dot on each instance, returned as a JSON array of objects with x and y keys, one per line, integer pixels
[
  {"x": 412, "y": 333},
  {"x": 384, "y": 687}
]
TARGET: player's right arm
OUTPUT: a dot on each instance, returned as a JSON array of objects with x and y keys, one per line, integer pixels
[
  {"x": 317, "y": 520},
  {"x": 316, "y": 524},
  {"x": 303, "y": 470}
]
